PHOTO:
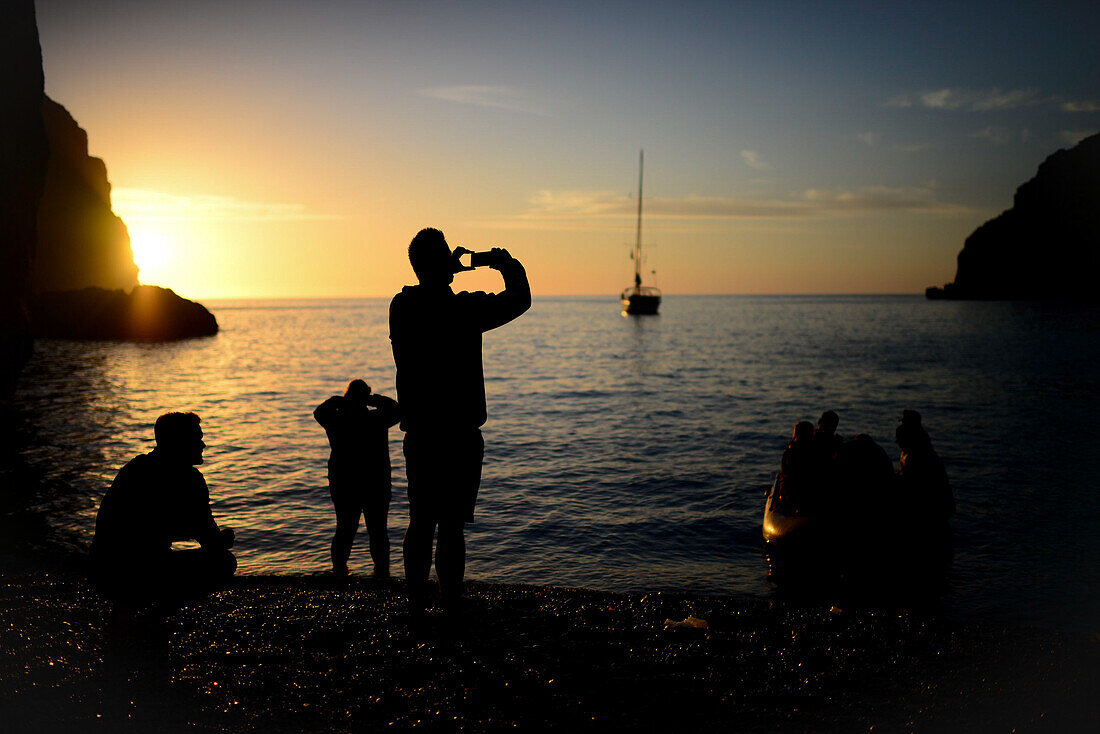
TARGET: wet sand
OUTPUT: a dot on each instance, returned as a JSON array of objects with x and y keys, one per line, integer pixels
[{"x": 300, "y": 653}]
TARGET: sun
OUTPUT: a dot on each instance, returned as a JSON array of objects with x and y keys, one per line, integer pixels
[{"x": 153, "y": 250}]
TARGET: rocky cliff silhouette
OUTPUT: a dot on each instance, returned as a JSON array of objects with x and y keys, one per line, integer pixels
[
  {"x": 23, "y": 155},
  {"x": 1047, "y": 246},
  {"x": 81, "y": 242},
  {"x": 146, "y": 313},
  {"x": 84, "y": 279},
  {"x": 65, "y": 258}
]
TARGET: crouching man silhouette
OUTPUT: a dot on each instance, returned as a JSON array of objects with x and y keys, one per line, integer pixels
[
  {"x": 157, "y": 499},
  {"x": 436, "y": 337}
]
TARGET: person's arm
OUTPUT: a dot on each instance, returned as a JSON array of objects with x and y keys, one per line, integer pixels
[
  {"x": 497, "y": 309},
  {"x": 210, "y": 536},
  {"x": 326, "y": 412},
  {"x": 388, "y": 407}
]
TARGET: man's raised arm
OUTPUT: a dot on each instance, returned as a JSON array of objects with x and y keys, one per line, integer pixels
[{"x": 514, "y": 300}]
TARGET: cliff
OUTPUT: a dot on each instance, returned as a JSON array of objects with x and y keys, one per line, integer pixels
[
  {"x": 81, "y": 242},
  {"x": 84, "y": 278},
  {"x": 1046, "y": 245},
  {"x": 23, "y": 155}
]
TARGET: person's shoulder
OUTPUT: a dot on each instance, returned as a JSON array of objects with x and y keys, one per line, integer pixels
[
  {"x": 404, "y": 297},
  {"x": 140, "y": 463},
  {"x": 132, "y": 473}
]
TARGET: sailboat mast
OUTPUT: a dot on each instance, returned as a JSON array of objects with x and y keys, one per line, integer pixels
[{"x": 638, "y": 240}]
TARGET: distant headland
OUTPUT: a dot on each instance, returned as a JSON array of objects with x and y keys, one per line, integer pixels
[{"x": 1045, "y": 246}]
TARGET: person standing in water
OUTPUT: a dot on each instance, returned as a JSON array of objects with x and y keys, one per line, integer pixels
[
  {"x": 436, "y": 337},
  {"x": 359, "y": 470},
  {"x": 921, "y": 472}
]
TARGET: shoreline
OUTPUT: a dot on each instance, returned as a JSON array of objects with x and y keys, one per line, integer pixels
[
  {"x": 305, "y": 653},
  {"x": 299, "y": 652}
]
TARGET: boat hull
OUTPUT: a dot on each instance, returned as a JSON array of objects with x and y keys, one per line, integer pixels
[
  {"x": 641, "y": 302},
  {"x": 830, "y": 550}
]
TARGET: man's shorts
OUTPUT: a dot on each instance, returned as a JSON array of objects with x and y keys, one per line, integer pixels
[{"x": 444, "y": 472}]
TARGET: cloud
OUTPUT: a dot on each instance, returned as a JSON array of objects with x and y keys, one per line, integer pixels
[
  {"x": 869, "y": 138},
  {"x": 504, "y": 98},
  {"x": 753, "y": 160},
  {"x": 958, "y": 98},
  {"x": 1073, "y": 137},
  {"x": 1083, "y": 105},
  {"x": 147, "y": 205},
  {"x": 994, "y": 134},
  {"x": 609, "y": 209}
]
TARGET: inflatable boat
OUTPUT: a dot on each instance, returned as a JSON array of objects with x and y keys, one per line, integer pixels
[{"x": 819, "y": 547}]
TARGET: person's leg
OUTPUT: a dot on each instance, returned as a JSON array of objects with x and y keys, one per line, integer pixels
[
  {"x": 464, "y": 455},
  {"x": 376, "y": 509},
  {"x": 417, "y": 551},
  {"x": 450, "y": 560},
  {"x": 348, "y": 509},
  {"x": 420, "y": 465}
]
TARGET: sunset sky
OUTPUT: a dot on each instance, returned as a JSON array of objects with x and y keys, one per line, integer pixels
[{"x": 293, "y": 148}]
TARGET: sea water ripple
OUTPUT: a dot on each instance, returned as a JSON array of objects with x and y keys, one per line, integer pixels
[{"x": 622, "y": 453}]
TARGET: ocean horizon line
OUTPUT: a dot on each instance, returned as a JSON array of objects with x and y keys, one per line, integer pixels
[{"x": 561, "y": 296}]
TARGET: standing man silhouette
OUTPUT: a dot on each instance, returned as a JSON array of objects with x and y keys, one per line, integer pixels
[{"x": 436, "y": 338}]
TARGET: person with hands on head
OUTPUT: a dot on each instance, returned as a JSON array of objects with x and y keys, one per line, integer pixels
[{"x": 357, "y": 424}]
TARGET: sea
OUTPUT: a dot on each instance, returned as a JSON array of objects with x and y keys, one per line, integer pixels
[{"x": 629, "y": 454}]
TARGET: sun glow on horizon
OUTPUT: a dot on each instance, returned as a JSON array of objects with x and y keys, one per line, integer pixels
[{"x": 155, "y": 251}]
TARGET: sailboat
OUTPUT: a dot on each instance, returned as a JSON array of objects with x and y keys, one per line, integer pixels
[{"x": 641, "y": 299}]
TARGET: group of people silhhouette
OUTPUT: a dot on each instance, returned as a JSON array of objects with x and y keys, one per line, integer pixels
[
  {"x": 821, "y": 474},
  {"x": 160, "y": 498}
]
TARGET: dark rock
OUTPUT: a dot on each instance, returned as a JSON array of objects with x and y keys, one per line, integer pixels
[
  {"x": 23, "y": 155},
  {"x": 1046, "y": 245},
  {"x": 81, "y": 242},
  {"x": 147, "y": 313}
]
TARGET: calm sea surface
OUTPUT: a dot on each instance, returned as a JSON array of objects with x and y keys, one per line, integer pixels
[{"x": 628, "y": 454}]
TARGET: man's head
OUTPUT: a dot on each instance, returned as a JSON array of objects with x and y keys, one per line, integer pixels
[
  {"x": 358, "y": 390},
  {"x": 430, "y": 256},
  {"x": 803, "y": 431},
  {"x": 828, "y": 422},
  {"x": 179, "y": 436}
]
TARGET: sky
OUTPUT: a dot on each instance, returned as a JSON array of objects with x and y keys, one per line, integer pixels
[{"x": 292, "y": 149}]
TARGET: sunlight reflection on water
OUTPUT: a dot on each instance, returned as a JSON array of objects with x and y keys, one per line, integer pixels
[{"x": 625, "y": 454}]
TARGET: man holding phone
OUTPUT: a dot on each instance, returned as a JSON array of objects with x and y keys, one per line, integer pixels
[{"x": 436, "y": 339}]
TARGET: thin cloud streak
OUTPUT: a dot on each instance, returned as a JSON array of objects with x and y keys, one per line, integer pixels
[
  {"x": 958, "y": 98},
  {"x": 593, "y": 209},
  {"x": 135, "y": 205},
  {"x": 504, "y": 98},
  {"x": 753, "y": 160},
  {"x": 1084, "y": 105}
]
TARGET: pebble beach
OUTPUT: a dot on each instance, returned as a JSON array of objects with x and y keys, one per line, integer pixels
[{"x": 304, "y": 653}]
